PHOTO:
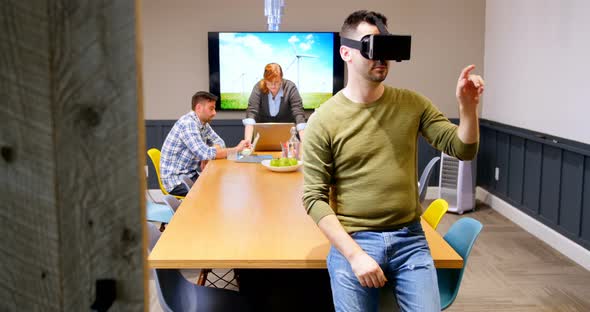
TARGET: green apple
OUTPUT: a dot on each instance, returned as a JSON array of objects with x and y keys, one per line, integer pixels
[{"x": 284, "y": 162}]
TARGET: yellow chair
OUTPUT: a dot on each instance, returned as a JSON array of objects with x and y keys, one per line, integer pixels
[
  {"x": 435, "y": 212},
  {"x": 154, "y": 155}
]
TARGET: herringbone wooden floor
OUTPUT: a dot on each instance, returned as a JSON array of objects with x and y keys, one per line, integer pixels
[
  {"x": 511, "y": 270},
  {"x": 508, "y": 270}
]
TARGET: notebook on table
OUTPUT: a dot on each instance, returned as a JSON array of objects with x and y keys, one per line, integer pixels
[{"x": 253, "y": 158}]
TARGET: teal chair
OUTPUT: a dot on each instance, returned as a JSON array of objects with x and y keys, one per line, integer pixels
[
  {"x": 461, "y": 236},
  {"x": 158, "y": 212},
  {"x": 162, "y": 212}
]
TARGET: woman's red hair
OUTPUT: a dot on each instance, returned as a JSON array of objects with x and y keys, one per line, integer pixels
[{"x": 272, "y": 72}]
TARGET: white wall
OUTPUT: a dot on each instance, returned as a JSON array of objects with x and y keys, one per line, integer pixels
[
  {"x": 447, "y": 35},
  {"x": 537, "y": 60}
]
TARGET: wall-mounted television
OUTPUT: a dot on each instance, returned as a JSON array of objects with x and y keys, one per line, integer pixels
[{"x": 310, "y": 59}]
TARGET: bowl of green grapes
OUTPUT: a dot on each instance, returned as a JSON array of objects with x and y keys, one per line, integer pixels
[{"x": 282, "y": 164}]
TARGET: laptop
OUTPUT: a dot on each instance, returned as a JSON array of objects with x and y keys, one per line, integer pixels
[{"x": 271, "y": 135}]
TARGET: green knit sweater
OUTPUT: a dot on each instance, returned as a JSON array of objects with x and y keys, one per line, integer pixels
[{"x": 368, "y": 153}]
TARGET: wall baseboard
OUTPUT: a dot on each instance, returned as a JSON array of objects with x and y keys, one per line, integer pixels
[{"x": 564, "y": 245}]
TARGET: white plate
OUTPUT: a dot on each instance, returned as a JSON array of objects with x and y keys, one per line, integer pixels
[{"x": 266, "y": 163}]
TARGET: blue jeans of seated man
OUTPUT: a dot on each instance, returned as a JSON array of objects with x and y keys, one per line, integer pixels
[
  {"x": 180, "y": 189},
  {"x": 404, "y": 257}
]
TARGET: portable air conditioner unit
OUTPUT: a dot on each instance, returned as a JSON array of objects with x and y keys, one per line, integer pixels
[{"x": 457, "y": 183}]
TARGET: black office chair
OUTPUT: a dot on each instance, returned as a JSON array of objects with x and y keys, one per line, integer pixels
[{"x": 177, "y": 294}]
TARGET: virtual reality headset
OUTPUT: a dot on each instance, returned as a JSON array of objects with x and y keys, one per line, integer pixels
[{"x": 383, "y": 46}]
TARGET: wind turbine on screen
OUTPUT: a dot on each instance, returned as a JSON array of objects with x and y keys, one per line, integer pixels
[
  {"x": 297, "y": 59},
  {"x": 240, "y": 79}
]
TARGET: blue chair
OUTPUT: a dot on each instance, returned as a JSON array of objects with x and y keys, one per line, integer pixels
[
  {"x": 177, "y": 294},
  {"x": 158, "y": 212},
  {"x": 461, "y": 236},
  {"x": 162, "y": 212}
]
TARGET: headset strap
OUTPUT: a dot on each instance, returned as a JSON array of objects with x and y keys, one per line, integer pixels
[
  {"x": 357, "y": 44},
  {"x": 381, "y": 26},
  {"x": 351, "y": 43}
]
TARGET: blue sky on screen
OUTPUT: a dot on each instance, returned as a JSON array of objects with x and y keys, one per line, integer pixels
[{"x": 242, "y": 57}]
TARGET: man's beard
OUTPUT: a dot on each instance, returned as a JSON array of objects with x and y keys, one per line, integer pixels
[
  {"x": 380, "y": 76},
  {"x": 206, "y": 121}
]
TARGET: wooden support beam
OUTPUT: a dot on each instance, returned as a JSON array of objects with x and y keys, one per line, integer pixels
[{"x": 71, "y": 162}]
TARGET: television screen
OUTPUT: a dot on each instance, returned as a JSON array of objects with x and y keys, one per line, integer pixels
[{"x": 310, "y": 59}]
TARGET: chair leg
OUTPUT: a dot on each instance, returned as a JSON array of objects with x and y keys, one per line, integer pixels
[
  {"x": 217, "y": 279},
  {"x": 237, "y": 277},
  {"x": 203, "y": 277}
]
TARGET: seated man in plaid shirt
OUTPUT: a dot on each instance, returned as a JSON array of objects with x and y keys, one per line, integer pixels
[{"x": 191, "y": 143}]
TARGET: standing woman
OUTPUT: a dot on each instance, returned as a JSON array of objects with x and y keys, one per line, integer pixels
[{"x": 274, "y": 99}]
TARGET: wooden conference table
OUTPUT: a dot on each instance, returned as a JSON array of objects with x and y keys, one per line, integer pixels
[{"x": 241, "y": 215}]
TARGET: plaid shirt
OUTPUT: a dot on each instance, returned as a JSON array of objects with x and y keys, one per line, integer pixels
[{"x": 186, "y": 145}]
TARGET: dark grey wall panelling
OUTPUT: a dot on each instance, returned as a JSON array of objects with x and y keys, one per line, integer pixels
[
  {"x": 546, "y": 177},
  {"x": 550, "y": 181},
  {"x": 232, "y": 131},
  {"x": 532, "y": 177},
  {"x": 572, "y": 181},
  {"x": 516, "y": 169},
  {"x": 502, "y": 162},
  {"x": 585, "y": 225},
  {"x": 485, "y": 156}
]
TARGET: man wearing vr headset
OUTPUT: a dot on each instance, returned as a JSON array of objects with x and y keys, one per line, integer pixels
[{"x": 360, "y": 182}]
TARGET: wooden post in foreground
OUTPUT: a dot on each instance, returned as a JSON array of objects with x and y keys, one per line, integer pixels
[{"x": 71, "y": 155}]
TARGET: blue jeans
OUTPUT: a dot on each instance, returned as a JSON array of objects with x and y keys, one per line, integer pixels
[{"x": 404, "y": 257}]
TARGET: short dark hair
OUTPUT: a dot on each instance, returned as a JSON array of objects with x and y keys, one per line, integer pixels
[
  {"x": 354, "y": 19},
  {"x": 202, "y": 96}
]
